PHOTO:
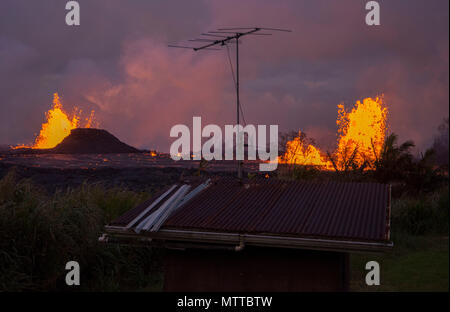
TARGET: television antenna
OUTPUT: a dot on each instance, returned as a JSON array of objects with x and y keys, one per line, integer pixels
[{"x": 213, "y": 40}]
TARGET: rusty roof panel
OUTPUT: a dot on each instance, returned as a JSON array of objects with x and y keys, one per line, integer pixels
[
  {"x": 333, "y": 210},
  {"x": 355, "y": 211}
]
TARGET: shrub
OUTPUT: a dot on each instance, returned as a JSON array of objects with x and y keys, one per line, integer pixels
[
  {"x": 40, "y": 233},
  {"x": 304, "y": 172},
  {"x": 427, "y": 214}
]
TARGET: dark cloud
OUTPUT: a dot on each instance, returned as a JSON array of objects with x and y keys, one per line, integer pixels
[{"x": 117, "y": 62}]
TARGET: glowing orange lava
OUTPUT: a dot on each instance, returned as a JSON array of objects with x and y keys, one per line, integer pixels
[
  {"x": 58, "y": 125},
  {"x": 298, "y": 153},
  {"x": 361, "y": 131},
  {"x": 361, "y": 134}
]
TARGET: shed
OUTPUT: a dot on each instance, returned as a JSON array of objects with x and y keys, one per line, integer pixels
[{"x": 259, "y": 234}]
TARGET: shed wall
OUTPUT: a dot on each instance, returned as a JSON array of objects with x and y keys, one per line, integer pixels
[{"x": 255, "y": 269}]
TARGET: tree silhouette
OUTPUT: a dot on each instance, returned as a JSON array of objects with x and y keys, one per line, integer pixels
[
  {"x": 393, "y": 161},
  {"x": 440, "y": 144}
]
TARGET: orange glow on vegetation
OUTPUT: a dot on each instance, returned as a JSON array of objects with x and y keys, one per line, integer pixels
[
  {"x": 361, "y": 133},
  {"x": 58, "y": 125}
]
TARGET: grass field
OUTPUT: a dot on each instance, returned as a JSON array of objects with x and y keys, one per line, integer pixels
[{"x": 417, "y": 263}]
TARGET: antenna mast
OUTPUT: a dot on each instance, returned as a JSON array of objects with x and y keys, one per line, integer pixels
[{"x": 225, "y": 36}]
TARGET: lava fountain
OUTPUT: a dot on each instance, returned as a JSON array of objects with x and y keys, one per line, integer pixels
[
  {"x": 58, "y": 126},
  {"x": 361, "y": 133}
]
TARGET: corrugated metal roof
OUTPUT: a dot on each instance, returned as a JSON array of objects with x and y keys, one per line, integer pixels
[{"x": 353, "y": 211}]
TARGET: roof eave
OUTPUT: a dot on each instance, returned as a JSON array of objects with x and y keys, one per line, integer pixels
[{"x": 227, "y": 239}]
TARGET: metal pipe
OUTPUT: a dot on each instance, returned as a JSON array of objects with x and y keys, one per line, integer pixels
[
  {"x": 169, "y": 210},
  {"x": 241, "y": 245},
  {"x": 388, "y": 214},
  {"x": 153, "y": 204},
  {"x": 238, "y": 139}
]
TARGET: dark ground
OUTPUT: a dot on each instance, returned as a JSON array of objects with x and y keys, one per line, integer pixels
[
  {"x": 137, "y": 172},
  {"x": 137, "y": 179}
]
